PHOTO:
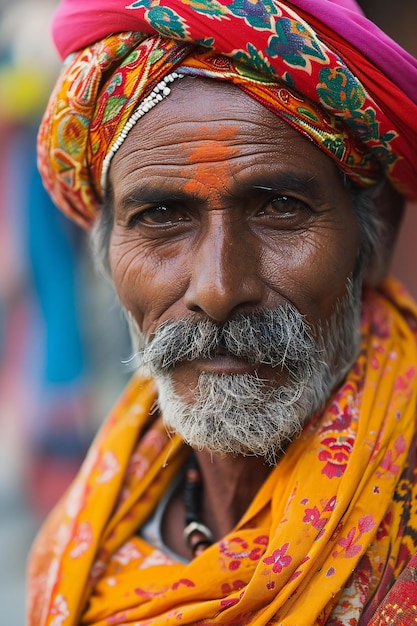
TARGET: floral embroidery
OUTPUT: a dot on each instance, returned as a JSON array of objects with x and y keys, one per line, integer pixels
[
  {"x": 295, "y": 44},
  {"x": 278, "y": 559},
  {"x": 167, "y": 22},
  {"x": 138, "y": 465},
  {"x": 156, "y": 558},
  {"x": 108, "y": 467},
  {"x": 83, "y": 540},
  {"x": 127, "y": 553},
  {"x": 388, "y": 463},
  {"x": 306, "y": 526},
  {"x": 256, "y": 13},
  {"x": 338, "y": 89},
  {"x": 59, "y": 610},
  {"x": 312, "y": 516},
  {"x": 183, "y": 581},
  {"x": 336, "y": 454},
  {"x": 350, "y": 544},
  {"x": 253, "y": 58}
]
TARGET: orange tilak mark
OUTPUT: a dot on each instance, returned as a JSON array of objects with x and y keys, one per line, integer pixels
[{"x": 207, "y": 153}]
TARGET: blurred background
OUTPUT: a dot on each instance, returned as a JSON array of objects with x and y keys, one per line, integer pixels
[{"x": 62, "y": 336}]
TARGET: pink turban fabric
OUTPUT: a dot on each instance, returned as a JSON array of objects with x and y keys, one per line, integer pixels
[{"x": 78, "y": 23}]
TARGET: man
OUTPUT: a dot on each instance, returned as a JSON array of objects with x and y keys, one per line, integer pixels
[{"x": 244, "y": 171}]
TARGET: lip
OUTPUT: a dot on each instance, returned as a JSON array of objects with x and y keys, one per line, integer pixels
[{"x": 225, "y": 364}]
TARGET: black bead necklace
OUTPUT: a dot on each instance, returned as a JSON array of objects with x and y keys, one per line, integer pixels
[{"x": 197, "y": 536}]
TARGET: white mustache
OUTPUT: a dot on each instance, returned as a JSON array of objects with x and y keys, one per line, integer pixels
[{"x": 279, "y": 338}]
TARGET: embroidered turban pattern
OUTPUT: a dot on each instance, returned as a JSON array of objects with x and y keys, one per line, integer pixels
[{"x": 343, "y": 103}]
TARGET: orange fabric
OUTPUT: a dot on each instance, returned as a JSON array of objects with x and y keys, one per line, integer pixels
[{"x": 338, "y": 502}]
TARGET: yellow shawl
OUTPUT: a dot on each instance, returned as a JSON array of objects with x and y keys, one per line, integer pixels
[{"x": 326, "y": 536}]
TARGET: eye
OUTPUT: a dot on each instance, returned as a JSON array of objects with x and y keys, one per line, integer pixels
[
  {"x": 159, "y": 216},
  {"x": 285, "y": 207}
]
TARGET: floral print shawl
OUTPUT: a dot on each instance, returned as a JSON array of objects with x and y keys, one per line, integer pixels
[{"x": 326, "y": 537}]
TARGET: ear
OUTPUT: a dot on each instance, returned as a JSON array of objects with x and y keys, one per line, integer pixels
[{"x": 390, "y": 204}]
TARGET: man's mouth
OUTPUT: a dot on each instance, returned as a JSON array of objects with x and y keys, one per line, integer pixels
[{"x": 222, "y": 362}]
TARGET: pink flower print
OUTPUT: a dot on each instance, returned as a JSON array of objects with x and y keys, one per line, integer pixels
[
  {"x": 156, "y": 558},
  {"x": 279, "y": 559},
  {"x": 388, "y": 464},
  {"x": 312, "y": 516},
  {"x": 229, "y": 602},
  {"x": 336, "y": 455},
  {"x": 126, "y": 554},
  {"x": 148, "y": 594},
  {"x": 154, "y": 440},
  {"x": 108, "y": 467},
  {"x": 236, "y": 549},
  {"x": 118, "y": 618},
  {"x": 235, "y": 586},
  {"x": 262, "y": 540},
  {"x": 329, "y": 505},
  {"x": 256, "y": 553},
  {"x": 350, "y": 543},
  {"x": 138, "y": 466},
  {"x": 366, "y": 524},
  {"x": 403, "y": 382},
  {"x": 186, "y": 582},
  {"x": 343, "y": 417},
  {"x": 59, "y": 610},
  {"x": 75, "y": 499},
  {"x": 83, "y": 539},
  {"x": 374, "y": 363},
  {"x": 380, "y": 325},
  {"x": 400, "y": 445}
]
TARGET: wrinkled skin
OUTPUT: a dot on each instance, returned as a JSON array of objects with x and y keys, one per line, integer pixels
[{"x": 220, "y": 207}]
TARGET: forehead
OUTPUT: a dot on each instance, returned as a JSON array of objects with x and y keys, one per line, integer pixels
[{"x": 205, "y": 122}]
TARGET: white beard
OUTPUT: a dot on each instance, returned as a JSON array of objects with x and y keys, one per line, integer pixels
[{"x": 244, "y": 415}]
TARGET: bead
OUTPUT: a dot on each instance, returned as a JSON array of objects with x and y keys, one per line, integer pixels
[
  {"x": 146, "y": 105},
  {"x": 197, "y": 536}
]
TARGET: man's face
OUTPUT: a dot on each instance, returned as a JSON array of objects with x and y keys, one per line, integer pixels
[{"x": 221, "y": 209}]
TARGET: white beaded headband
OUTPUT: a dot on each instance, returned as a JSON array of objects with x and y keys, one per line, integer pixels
[{"x": 159, "y": 93}]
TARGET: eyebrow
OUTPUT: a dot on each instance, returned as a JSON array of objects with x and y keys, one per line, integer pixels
[
  {"x": 147, "y": 194},
  {"x": 289, "y": 181},
  {"x": 270, "y": 182}
]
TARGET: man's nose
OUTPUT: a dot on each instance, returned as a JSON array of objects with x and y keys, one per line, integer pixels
[{"x": 224, "y": 274}]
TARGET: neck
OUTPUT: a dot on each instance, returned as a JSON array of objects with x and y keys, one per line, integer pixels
[{"x": 229, "y": 486}]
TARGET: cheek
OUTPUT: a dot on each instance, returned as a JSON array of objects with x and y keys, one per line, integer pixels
[
  {"x": 149, "y": 286},
  {"x": 312, "y": 270}
]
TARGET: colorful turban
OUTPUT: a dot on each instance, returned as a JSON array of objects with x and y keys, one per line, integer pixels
[{"x": 307, "y": 62}]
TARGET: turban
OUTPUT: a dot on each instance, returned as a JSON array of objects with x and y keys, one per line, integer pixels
[{"x": 321, "y": 66}]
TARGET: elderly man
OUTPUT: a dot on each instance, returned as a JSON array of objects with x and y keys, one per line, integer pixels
[{"x": 244, "y": 166}]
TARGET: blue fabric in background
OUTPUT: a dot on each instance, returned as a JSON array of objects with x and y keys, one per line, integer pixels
[{"x": 53, "y": 244}]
